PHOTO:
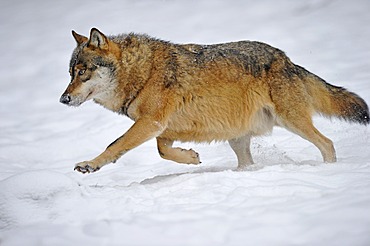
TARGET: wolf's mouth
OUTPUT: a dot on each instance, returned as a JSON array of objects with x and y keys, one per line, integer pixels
[{"x": 89, "y": 95}]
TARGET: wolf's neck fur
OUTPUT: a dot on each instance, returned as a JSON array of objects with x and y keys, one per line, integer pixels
[{"x": 132, "y": 72}]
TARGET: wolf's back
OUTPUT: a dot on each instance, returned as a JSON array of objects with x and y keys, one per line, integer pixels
[{"x": 334, "y": 101}]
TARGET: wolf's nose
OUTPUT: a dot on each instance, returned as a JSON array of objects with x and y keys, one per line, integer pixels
[{"x": 66, "y": 99}]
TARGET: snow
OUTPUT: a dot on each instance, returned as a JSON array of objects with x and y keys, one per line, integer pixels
[{"x": 289, "y": 197}]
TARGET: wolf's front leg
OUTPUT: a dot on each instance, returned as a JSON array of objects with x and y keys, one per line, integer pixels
[
  {"x": 86, "y": 167},
  {"x": 143, "y": 130}
]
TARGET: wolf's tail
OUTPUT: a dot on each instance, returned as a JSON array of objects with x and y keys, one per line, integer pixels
[{"x": 334, "y": 101}]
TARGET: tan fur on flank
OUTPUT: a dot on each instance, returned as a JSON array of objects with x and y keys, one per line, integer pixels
[{"x": 201, "y": 93}]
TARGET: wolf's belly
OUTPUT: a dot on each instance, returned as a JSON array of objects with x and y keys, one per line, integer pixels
[{"x": 219, "y": 127}]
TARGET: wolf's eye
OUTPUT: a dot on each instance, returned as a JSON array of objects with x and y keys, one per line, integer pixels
[{"x": 81, "y": 72}]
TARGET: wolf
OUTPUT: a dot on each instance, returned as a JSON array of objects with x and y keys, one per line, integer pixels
[{"x": 201, "y": 93}]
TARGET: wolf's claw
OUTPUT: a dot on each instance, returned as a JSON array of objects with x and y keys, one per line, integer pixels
[{"x": 85, "y": 167}]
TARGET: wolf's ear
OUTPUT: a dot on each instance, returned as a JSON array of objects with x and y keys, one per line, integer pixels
[
  {"x": 79, "y": 38},
  {"x": 98, "y": 39}
]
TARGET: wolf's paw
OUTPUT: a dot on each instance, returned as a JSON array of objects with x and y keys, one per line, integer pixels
[
  {"x": 86, "y": 167},
  {"x": 192, "y": 157}
]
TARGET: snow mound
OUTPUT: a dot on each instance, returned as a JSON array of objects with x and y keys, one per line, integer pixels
[{"x": 26, "y": 198}]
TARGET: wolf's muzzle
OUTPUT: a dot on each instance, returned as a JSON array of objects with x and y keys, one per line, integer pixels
[{"x": 65, "y": 98}]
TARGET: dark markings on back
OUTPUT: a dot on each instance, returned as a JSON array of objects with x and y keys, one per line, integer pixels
[
  {"x": 171, "y": 72},
  {"x": 255, "y": 57}
]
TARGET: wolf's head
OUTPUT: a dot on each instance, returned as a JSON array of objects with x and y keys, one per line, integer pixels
[{"x": 92, "y": 69}]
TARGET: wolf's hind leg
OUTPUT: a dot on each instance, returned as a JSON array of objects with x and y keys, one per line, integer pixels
[
  {"x": 241, "y": 147},
  {"x": 294, "y": 109},
  {"x": 166, "y": 151},
  {"x": 304, "y": 127}
]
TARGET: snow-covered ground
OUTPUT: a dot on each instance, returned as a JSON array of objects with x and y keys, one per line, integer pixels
[{"x": 288, "y": 198}]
